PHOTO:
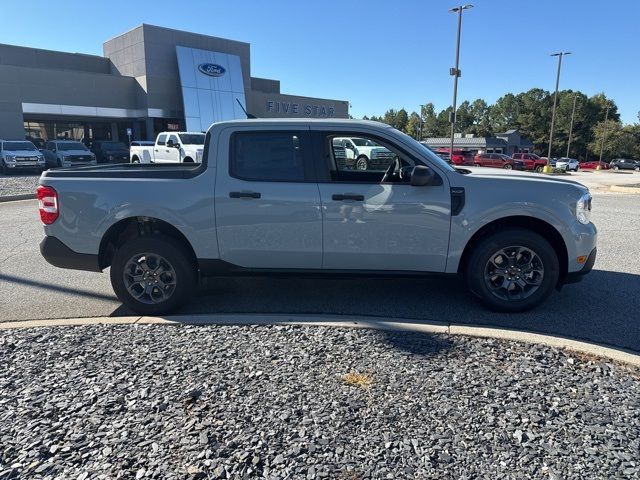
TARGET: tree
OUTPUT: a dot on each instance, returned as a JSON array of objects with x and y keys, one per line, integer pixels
[
  {"x": 464, "y": 117},
  {"x": 429, "y": 121},
  {"x": 480, "y": 112},
  {"x": 413, "y": 125}
]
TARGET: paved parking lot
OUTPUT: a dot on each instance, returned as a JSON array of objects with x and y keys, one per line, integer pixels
[{"x": 603, "y": 308}]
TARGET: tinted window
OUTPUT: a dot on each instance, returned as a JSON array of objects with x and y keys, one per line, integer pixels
[
  {"x": 162, "y": 139},
  {"x": 192, "y": 138},
  {"x": 66, "y": 146},
  {"x": 174, "y": 139},
  {"x": 267, "y": 156},
  {"x": 14, "y": 146}
]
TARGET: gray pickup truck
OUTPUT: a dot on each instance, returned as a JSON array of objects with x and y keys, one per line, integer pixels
[{"x": 270, "y": 198}]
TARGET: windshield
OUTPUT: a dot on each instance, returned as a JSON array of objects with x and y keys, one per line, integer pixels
[
  {"x": 192, "y": 138},
  {"x": 363, "y": 142},
  {"x": 66, "y": 146},
  {"x": 113, "y": 146},
  {"x": 14, "y": 146}
]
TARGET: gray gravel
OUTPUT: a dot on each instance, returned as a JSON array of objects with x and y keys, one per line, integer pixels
[
  {"x": 242, "y": 402},
  {"x": 18, "y": 184}
]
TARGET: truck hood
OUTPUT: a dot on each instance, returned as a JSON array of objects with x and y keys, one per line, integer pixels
[
  {"x": 523, "y": 178},
  {"x": 23, "y": 153}
]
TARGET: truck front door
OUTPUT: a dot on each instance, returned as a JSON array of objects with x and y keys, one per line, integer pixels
[
  {"x": 371, "y": 224},
  {"x": 266, "y": 199},
  {"x": 173, "y": 149}
]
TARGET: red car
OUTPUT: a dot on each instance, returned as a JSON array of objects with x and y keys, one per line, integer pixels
[
  {"x": 531, "y": 161},
  {"x": 459, "y": 158},
  {"x": 593, "y": 165},
  {"x": 495, "y": 160}
]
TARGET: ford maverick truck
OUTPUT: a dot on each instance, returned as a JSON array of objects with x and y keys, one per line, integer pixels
[
  {"x": 169, "y": 147},
  {"x": 273, "y": 197}
]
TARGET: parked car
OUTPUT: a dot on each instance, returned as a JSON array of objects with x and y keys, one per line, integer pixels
[
  {"x": 20, "y": 155},
  {"x": 170, "y": 147},
  {"x": 460, "y": 158},
  {"x": 366, "y": 153},
  {"x": 592, "y": 165},
  {"x": 625, "y": 164},
  {"x": 67, "y": 153},
  {"x": 270, "y": 198},
  {"x": 568, "y": 164},
  {"x": 109, "y": 151},
  {"x": 531, "y": 161},
  {"x": 495, "y": 160}
]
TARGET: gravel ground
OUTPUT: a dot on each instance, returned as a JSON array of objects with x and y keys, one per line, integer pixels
[
  {"x": 242, "y": 402},
  {"x": 17, "y": 184}
]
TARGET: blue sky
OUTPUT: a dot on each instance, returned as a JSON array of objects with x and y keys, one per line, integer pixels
[{"x": 378, "y": 54}]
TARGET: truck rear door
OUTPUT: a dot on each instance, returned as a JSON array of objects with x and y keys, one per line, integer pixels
[{"x": 267, "y": 200}]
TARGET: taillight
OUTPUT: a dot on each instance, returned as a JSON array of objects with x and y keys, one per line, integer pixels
[{"x": 47, "y": 204}]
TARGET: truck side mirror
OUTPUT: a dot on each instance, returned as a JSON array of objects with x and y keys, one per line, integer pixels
[{"x": 421, "y": 176}]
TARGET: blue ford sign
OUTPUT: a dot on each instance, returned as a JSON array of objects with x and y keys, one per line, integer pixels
[{"x": 212, "y": 69}]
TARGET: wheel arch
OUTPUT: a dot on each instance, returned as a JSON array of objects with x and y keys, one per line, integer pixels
[
  {"x": 132, "y": 227},
  {"x": 541, "y": 227}
]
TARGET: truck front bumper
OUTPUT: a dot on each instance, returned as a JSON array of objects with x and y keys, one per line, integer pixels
[
  {"x": 58, "y": 254},
  {"x": 574, "y": 277}
]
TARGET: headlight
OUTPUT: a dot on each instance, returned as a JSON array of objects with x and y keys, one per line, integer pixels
[
  {"x": 10, "y": 158},
  {"x": 583, "y": 209}
]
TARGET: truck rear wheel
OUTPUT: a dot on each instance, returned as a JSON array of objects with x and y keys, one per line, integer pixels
[
  {"x": 512, "y": 270},
  {"x": 153, "y": 275}
]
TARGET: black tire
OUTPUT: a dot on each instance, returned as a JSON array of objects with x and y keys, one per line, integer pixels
[
  {"x": 637, "y": 169},
  {"x": 486, "y": 250},
  {"x": 174, "y": 253},
  {"x": 5, "y": 169},
  {"x": 508, "y": 166},
  {"x": 187, "y": 160},
  {"x": 362, "y": 161},
  {"x": 616, "y": 168},
  {"x": 135, "y": 159},
  {"x": 539, "y": 168}
]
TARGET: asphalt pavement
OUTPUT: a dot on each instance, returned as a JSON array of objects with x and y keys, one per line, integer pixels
[{"x": 604, "y": 308}]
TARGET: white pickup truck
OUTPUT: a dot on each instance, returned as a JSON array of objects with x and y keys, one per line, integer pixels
[
  {"x": 170, "y": 147},
  {"x": 365, "y": 153}
]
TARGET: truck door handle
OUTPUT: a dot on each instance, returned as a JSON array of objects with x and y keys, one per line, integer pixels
[
  {"x": 244, "y": 195},
  {"x": 346, "y": 196}
]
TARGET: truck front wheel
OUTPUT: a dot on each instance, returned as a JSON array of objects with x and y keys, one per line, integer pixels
[
  {"x": 153, "y": 275},
  {"x": 512, "y": 270},
  {"x": 362, "y": 163}
]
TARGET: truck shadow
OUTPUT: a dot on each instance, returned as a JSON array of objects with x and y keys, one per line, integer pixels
[{"x": 604, "y": 308}]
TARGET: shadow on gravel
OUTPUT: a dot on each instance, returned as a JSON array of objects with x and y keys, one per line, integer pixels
[{"x": 416, "y": 343}]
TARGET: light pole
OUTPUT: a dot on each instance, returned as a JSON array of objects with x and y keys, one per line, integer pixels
[
  {"x": 573, "y": 113},
  {"x": 604, "y": 133},
  {"x": 421, "y": 122},
  {"x": 555, "y": 100},
  {"x": 456, "y": 72}
]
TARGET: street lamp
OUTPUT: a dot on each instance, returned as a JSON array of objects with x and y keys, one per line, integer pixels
[
  {"x": 555, "y": 100},
  {"x": 421, "y": 122},
  {"x": 573, "y": 113},
  {"x": 455, "y": 72}
]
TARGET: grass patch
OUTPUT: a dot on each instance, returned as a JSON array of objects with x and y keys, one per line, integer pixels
[{"x": 360, "y": 380}]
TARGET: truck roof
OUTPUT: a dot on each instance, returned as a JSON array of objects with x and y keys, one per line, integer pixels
[{"x": 330, "y": 122}]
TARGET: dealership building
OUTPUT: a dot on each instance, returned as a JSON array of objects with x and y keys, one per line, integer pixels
[{"x": 150, "y": 79}]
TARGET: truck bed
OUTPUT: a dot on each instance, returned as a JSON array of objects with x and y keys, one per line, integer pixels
[{"x": 129, "y": 170}]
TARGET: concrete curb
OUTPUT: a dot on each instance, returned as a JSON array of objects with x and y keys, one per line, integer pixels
[
  {"x": 345, "y": 321},
  {"x": 624, "y": 189},
  {"x": 15, "y": 198}
]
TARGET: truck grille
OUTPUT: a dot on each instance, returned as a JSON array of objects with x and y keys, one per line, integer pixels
[
  {"x": 79, "y": 158},
  {"x": 27, "y": 159}
]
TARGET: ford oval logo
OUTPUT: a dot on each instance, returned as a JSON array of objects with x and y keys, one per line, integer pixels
[{"x": 212, "y": 69}]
